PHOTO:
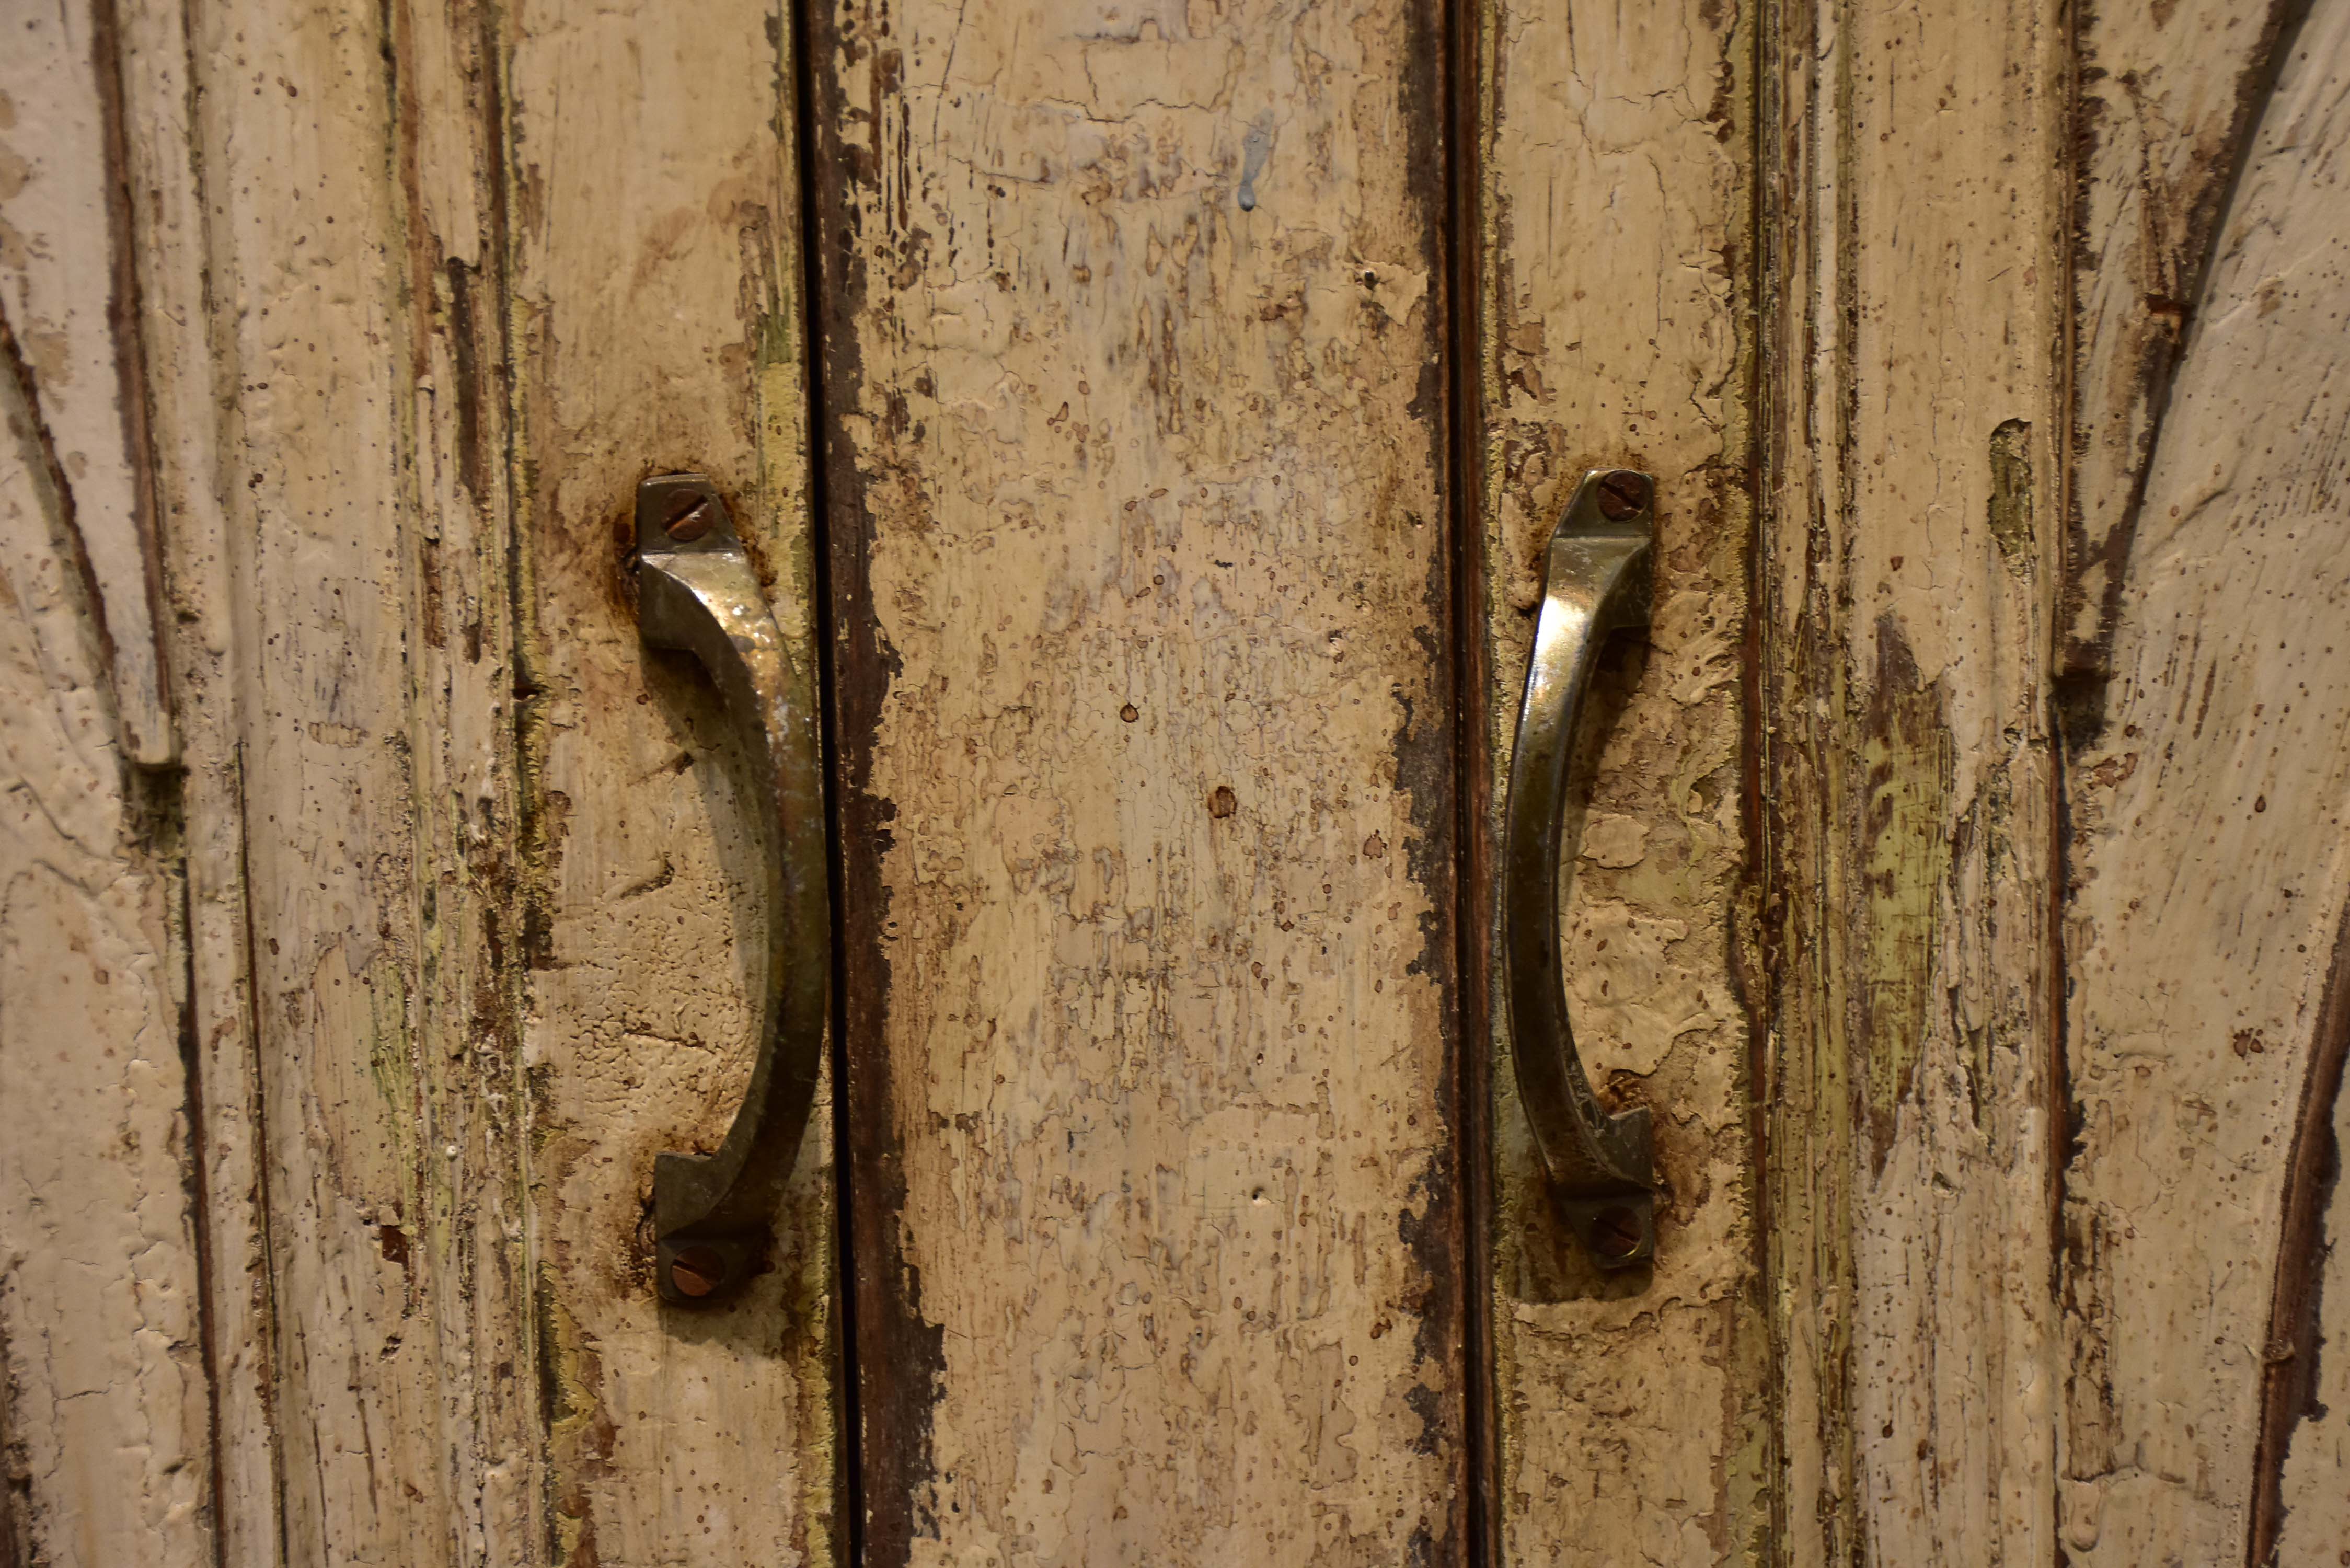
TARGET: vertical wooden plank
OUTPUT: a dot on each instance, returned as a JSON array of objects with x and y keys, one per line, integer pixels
[
  {"x": 188, "y": 404},
  {"x": 2167, "y": 100},
  {"x": 362, "y": 544},
  {"x": 1618, "y": 187},
  {"x": 1918, "y": 208},
  {"x": 103, "y": 1410},
  {"x": 105, "y": 1436},
  {"x": 1135, "y": 423},
  {"x": 71, "y": 294},
  {"x": 2207, "y": 886},
  {"x": 658, "y": 308}
]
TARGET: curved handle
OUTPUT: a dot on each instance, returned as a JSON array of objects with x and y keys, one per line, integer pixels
[
  {"x": 1596, "y": 581},
  {"x": 697, "y": 593}
]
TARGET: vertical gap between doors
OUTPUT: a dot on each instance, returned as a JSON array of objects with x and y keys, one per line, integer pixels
[
  {"x": 849, "y": 1472},
  {"x": 1464, "y": 258}
]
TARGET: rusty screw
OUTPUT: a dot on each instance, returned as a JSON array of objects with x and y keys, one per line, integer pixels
[
  {"x": 696, "y": 1272},
  {"x": 1615, "y": 1233},
  {"x": 1623, "y": 494},
  {"x": 693, "y": 522}
]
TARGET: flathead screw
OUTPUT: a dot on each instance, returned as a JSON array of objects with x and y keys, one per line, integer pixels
[
  {"x": 692, "y": 523},
  {"x": 696, "y": 1272},
  {"x": 1623, "y": 495},
  {"x": 1615, "y": 1233}
]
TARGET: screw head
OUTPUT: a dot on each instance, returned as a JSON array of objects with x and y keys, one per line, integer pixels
[
  {"x": 696, "y": 1272},
  {"x": 1623, "y": 494},
  {"x": 1616, "y": 1233},
  {"x": 693, "y": 518}
]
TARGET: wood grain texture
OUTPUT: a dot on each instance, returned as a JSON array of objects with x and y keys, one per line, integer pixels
[
  {"x": 2208, "y": 868},
  {"x": 657, "y": 308},
  {"x": 189, "y": 411},
  {"x": 1616, "y": 182},
  {"x": 104, "y": 1438},
  {"x": 1133, "y": 315},
  {"x": 1914, "y": 242},
  {"x": 71, "y": 306},
  {"x": 357, "y": 577},
  {"x": 105, "y": 1415},
  {"x": 2167, "y": 95}
]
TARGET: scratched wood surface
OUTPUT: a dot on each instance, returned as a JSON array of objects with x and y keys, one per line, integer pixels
[
  {"x": 2208, "y": 884},
  {"x": 1142, "y": 544},
  {"x": 2168, "y": 97},
  {"x": 656, "y": 307},
  {"x": 1967, "y": 849},
  {"x": 350, "y": 592},
  {"x": 1913, "y": 241},
  {"x": 105, "y": 1429},
  {"x": 1613, "y": 261}
]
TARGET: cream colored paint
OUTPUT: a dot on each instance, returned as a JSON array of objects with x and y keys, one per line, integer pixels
[
  {"x": 1907, "y": 626},
  {"x": 1617, "y": 193},
  {"x": 102, "y": 1383},
  {"x": 57, "y": 253},
  {"x": 2211, "y": 868},
  {"x": 1157, "y": 551},
  {"x": 448, "y": 888},
  {"x": 656, "y": 313},
  {"x": 2164, "y": 96}
]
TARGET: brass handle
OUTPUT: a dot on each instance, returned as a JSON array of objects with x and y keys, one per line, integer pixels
[
  {"x": 697, "y": 593},
  {"x": 1596, "y": 581}
]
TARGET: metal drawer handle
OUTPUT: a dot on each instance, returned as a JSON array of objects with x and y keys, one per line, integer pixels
[
  {"x": 1596, "y": 581},
  {"x": 697, "y": 593}
]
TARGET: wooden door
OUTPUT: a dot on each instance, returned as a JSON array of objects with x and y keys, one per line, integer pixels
[{"x": 1147, "y": 423}]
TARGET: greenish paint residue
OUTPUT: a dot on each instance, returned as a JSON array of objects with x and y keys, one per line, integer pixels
[
  {"x": 1905, "y": 860},
  {"x": 391, "y": 1054},
  {"x": 2011, "y": 497}
]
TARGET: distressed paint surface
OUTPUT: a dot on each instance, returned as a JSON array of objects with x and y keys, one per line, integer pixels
[
  {"x": 104, "y": 1422},
  {"x": 2209, "y": 870},
  {"x": 1142, "y": 545},
  {"x": 656, "y": 307},
  {"x": 220, "y": 1039},
  {"x": 2166, "y": 98},
  {"x": 337, "y": 340},
  {"x": 1615, "y": 183},
  {"x": 351, "y": 603},
  {"x": 1913, "y": 243},
  {"x": 75, "y": 332}
]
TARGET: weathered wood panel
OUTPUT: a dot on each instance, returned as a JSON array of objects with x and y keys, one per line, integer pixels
[
  {"x": 1132, "y": 318},
  {"x": 191, "y": 413},
  {"x": 1616, "y": 182},
  {"x": 104, "y": 1439},
  {"x": 71, "y": 298},
  {"x": 105, "y": 1418},
  {"x": 2166, "y": 98},
  {"x": 657, "y": 308},
  {"x": 2207, "y": 886},
  {"x": 339, "y": 155},
  {"x": 1913, "y": 243}
]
